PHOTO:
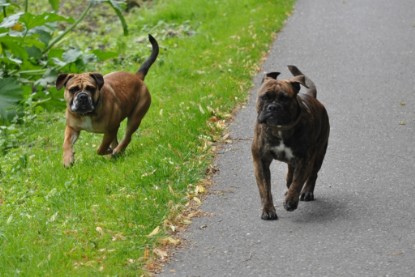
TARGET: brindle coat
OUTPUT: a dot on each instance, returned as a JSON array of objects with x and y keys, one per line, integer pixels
[{"x": 291, "y": 127}]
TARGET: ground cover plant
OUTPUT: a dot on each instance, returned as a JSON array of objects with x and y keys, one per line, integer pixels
[
  {"x": 111, "y": 216},
  {"x": 30, "y": 55}
]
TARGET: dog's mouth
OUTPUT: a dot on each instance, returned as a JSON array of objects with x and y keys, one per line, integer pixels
[
  {"x": 82, "y": 104},
  {"x": 273, "y": 118},
  {"x": 274, "y": 121}
]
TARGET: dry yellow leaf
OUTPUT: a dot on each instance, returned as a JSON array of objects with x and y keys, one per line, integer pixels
[
  {"x": 197, "y": 200},
  {"x": 200, "y": 189},
  {"x": 160, "y": 253},
  {"x": 100, "y": 230},
  {"x": 146, "y": 253},
  {"x": 170, "y": 241},
  {"x": 154, "y": 232}
]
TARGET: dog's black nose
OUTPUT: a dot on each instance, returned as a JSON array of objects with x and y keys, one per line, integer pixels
[
  {"x": 272, "y": 108},
  {"x": 83, "y": 97}
]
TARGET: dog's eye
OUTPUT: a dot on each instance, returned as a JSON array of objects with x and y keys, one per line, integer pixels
[
  {"x": 90, "y": 89},
  {"x": 73, "y": 90},
  {"x": 267, "y": 97},
  {"x": 283, "y": 97}
]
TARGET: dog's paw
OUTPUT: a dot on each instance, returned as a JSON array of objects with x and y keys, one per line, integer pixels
[
  {"x": 290, "y": 205},
  {"x": 269, "y": 215},
  {"x": 68, "y": 165},
  {"x": 307, "y": 196},
  {"x": 116, "y": 153},
  {"x": 68, "y": 161},
  {"x": 104, "y": 151}
]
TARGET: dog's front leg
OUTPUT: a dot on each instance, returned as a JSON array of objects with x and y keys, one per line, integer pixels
[
  {"x": 71, "y": 137},
  {"x": 263, "y": 180}
]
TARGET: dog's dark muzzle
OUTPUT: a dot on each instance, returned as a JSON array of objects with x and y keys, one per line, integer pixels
[
  {"x": 83, "y": 98},
  {"x": 82, "y": 103},
  {"x": 274, "y": 108},
  {"x": 273, "y": 113}
]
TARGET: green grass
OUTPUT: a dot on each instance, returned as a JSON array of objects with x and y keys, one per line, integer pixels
[{"x": 94, "y": 218}]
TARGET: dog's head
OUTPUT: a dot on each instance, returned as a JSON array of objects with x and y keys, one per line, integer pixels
[
  {"x": 82, "y": 91},
  {"x": 277, "y": 103}
]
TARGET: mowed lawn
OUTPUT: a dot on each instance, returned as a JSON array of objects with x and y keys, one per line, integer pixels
[{"x": 109, "y": 216}]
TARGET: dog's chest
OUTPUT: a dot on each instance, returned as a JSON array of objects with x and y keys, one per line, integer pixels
[
  {"x": 282, "y": 152},
  {"x": 86, "y": 124}
]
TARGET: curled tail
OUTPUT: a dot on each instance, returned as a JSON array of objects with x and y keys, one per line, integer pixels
[
  {"x": 142, "y": 71},
  {"x": 312, "y": 90}
]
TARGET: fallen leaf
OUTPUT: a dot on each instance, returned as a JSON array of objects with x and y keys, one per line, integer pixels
[
  {"x": 197, "y": 200},
  {"x": 117, "y": 237},
  {"x": 201, "y": 109},
  {"x": 160, "y": 253},
  {"x": 154, "y": 232},
  {"x": 187, "y": 222},
  {"x": 200, "y": 189},
  {"x": 99, "y": 230},
  {"x": 146, "y": 254},
  {"x": 148, "y": 173},
  {"x": 170, "y": 241},
  {"x": 171, "y": 190}
]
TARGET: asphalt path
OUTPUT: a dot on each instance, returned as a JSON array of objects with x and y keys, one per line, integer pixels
[{"x": 361, "y": 55}]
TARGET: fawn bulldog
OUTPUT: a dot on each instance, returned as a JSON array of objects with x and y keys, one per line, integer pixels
[
  {"x": 98, "y": 104},
  {"x": 291, "y": 127}
]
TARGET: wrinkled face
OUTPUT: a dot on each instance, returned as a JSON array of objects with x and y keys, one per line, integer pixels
[
  {"x": 277, "y": 103},
  {"x": 81, "y": 91}
]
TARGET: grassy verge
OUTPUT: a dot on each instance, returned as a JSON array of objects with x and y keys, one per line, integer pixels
[{"x": 95, "y": 218}]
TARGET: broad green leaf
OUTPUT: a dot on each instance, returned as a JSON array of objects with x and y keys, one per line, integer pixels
[
  {"x": 15, "y": 49},
  {"x": 31, "y": 20},
  {"x": 10, "y": 94},
  {"x": 102, "y": 56},
  {"x": 54, "y": 4},
  {"x": 34, "y": 52},
  {"x": 49, "y": 77},
  {"x": 71, "y": 55},
  {"x": 44, "y": 33}
]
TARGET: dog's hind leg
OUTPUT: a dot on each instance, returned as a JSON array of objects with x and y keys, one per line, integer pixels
[
  {"x": 307, "y": 193},
  {"x": 134, "y": 121},
  {"x": 114, "y": 143},
  {"x": 109, "y": 138}
]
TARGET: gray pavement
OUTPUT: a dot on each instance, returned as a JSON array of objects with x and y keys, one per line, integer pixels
[{"x": 361, "y": 55}]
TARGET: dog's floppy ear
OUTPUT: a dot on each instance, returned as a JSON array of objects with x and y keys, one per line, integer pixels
[
  {"x": 272, "y": 75},
  {"x": 62, "y": 80},
  {"x": 99, "y": 79},
  {"x": 296, "y": 81}
]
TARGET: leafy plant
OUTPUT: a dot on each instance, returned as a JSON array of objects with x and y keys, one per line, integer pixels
[
  {"x": 10, "y": 93},
  {"x": 31, "y": 57}
]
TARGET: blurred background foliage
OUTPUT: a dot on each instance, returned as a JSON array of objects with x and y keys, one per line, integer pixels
[{"x": 32, "y": 55}]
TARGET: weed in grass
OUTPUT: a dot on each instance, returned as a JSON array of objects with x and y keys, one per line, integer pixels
[{"x": 95, "y": 218}]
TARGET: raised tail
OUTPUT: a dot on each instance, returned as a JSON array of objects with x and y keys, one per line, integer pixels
[
  {"x": 142, "y": 71},
  {"x": 312, "y": 90}
]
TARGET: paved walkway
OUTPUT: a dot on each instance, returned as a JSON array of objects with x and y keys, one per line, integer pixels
[{"x": 361, "y": 55}]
